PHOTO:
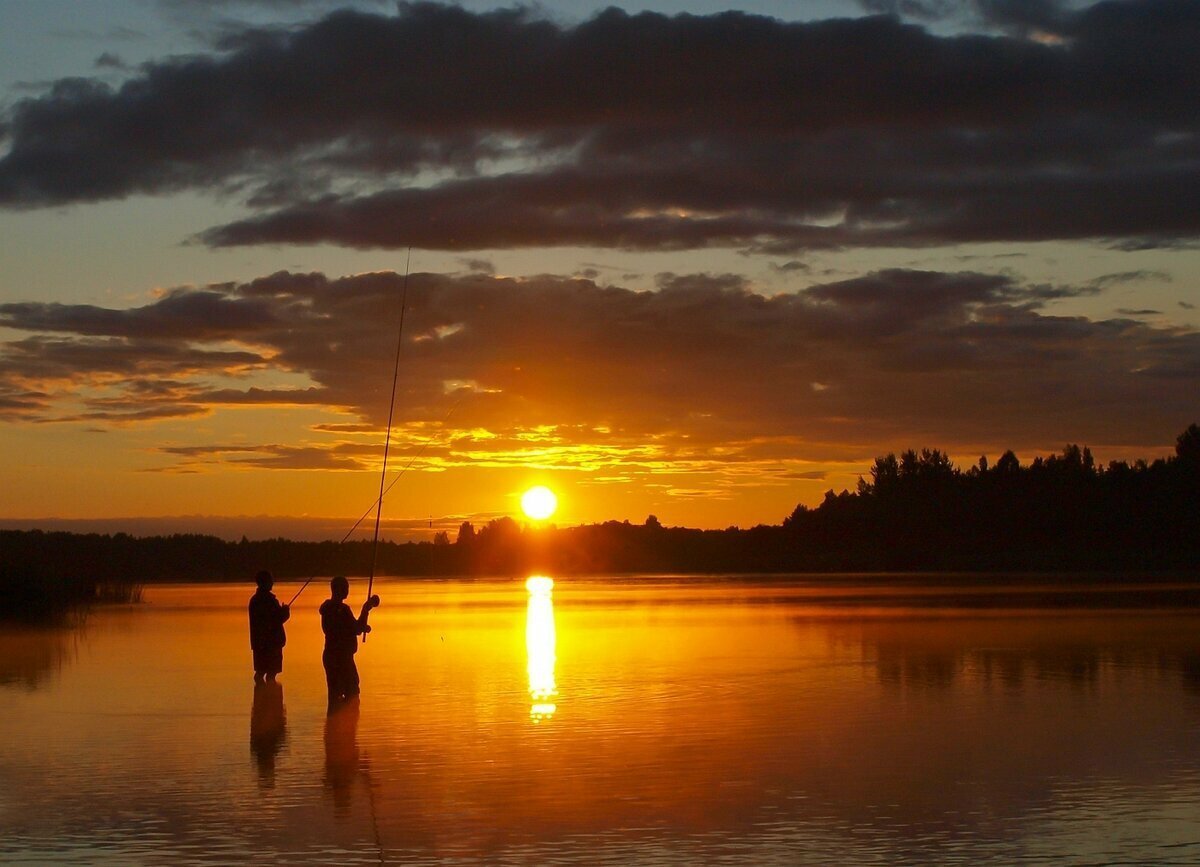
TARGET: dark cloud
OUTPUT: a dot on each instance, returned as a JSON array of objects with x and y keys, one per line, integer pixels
[
  {"x": 18, "y": 403},
  {"x": 1037, "y": 19},
  {"x": 930, "y": 10},
  {"x": 479, "y": 266},
  {"x": 186, "y": 314},
  {"x": 278, "y": 457},
  {"x": 108, "y": 60},
  {"x": 126, "y": 413},
  {"x": 1126, "y": 311},
  {"x": 1026, "y": 16},
  {"x": 703, "y": 372},
  {"x": 199, "y": 8},
  {"x": 73, "y": 357},
  {"x": 441, "y": 128},
  {"x": 345, "y": 428},
  {"x": 1131, "y": 277},
  {"x": 265, "y": 397}
]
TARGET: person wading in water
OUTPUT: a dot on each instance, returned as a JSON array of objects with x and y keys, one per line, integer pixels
[
  {"x": 267, "y": 637},
  {"x": 341, "y": 630}
]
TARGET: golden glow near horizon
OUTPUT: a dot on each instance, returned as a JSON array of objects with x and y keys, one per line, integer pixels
[
  {"x": 539, "y": 503},
  {"x": 540, "y": 641}
]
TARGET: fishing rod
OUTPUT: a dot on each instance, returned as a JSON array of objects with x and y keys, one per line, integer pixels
[{"x": 387, "y": 440}]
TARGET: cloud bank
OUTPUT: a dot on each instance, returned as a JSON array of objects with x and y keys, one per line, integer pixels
[
  {"x": 445, "y": 129},
  {"x": 573, "y": 373}
]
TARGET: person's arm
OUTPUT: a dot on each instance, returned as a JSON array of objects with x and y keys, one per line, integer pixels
[{"x": 362, "y": 624}]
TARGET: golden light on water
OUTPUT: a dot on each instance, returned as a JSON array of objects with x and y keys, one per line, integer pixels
[
  {"x": 540, "y": 641},
  {"x": 539, "y": 503},
  {"x": 539, "y": 584}
]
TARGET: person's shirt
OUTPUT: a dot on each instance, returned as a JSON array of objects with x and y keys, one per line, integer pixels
[
  {"x": 340, "y": 626},
  {"x": 267, "y": 617}
]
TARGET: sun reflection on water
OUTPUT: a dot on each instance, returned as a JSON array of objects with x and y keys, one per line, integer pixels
[{"x": 540, "y": 641}]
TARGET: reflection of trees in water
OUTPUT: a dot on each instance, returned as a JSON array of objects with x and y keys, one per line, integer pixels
[
  {"x": 30, "y": 657},
  {"x": 933, "y": 655},
  {"x": 268, "y": 729},
  {"x": 1189, "y": 668},
  {"x": 899, "y": 665}
]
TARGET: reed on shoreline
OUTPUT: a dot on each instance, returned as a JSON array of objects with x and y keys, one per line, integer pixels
[{"x": 40, "y": 596}]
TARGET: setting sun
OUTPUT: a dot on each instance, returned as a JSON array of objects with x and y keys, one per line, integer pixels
[{"x": 539, "y": 503}]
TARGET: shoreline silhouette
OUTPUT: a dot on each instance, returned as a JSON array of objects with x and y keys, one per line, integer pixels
[{"x": 916, "y": 512}]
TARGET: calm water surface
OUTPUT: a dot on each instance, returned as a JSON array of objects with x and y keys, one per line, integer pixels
[{"x": 641, "y": 721}]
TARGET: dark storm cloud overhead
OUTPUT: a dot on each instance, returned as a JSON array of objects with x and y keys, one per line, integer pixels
[
  {"x": 554, "y": 363},
  {"x": 793, "y": 195},
  {"x": 649, "y": 132}
]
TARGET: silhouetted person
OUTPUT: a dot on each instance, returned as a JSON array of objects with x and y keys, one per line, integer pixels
[
  {"x": 341, "y": 630},
  {"x": 267, "y": 637},
  {"x": 267, "y": 728}
]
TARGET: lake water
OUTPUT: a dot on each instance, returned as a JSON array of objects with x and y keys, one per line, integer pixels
[{"x": 623, "y": 721}]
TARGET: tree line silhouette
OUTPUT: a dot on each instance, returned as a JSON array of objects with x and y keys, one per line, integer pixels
[{"x": 916, "y": 511}]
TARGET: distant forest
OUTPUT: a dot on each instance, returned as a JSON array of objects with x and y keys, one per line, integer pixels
[{"x": 915, "y": 511}]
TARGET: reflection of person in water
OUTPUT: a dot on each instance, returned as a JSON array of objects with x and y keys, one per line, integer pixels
[
  {"x": 267, "y": 729},
  {"x": 341, "y": 630},
  {"x": 267, "y": 637},
  {"x": 341, "y": 754}
]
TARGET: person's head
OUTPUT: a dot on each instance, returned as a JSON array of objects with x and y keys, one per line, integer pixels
[
  {"x": 264, "y": 580},
  {"x": 339, "y": 588}
]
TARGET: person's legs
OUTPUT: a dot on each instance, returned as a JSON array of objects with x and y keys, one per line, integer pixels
[
  {"x": 351, "y": 678},
  {"x": 272, "y": 662},
  {"x": 331, "y": 679},
  {"x": 341, "y": 676}
]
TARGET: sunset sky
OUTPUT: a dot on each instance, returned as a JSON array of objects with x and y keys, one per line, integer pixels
[{"x": 665, "y": 259}]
